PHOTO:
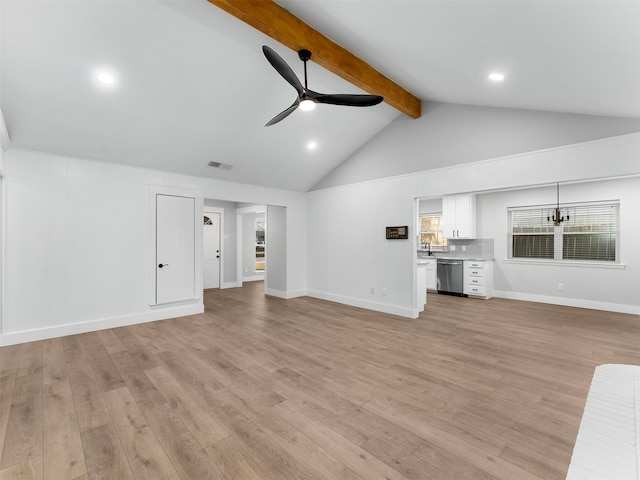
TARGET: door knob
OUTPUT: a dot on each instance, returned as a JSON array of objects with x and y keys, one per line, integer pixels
[{"x": 160, "y": 265}]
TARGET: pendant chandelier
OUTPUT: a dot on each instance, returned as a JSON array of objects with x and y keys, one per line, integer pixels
[{"x": 557, "y": 219}]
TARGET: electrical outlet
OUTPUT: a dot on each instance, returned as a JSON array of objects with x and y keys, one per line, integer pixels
[
  {"x": 373, "y": 290},
  {"x": 384, "y": 291},
  {"x": 561, "y": 287},
  {"x": 246, "y": 270},
  {"x": 452, "y": 248},
  {"x": 464, "y": 248}
]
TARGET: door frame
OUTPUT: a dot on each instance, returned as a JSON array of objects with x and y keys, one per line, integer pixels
[
  {"x": 257, "y": 208},
  {"x": 154, "y": 191},
  {"x": 219, "y": 211}
]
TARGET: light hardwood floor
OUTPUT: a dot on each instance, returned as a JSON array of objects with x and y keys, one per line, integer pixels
[{"x": 264, "y": 388}]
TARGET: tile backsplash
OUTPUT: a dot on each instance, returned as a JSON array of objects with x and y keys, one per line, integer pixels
[{"x": 477, "y": 248}]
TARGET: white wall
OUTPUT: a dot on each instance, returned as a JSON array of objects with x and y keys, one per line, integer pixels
[
  {"x": 349, "y": 259},
  {"x": 276, "y": 283},
  {"x": 2, "y": 202},
  {"x": 76, "y": 242},
  {"x": 431, "y": 205},
  {"x": 347, "y": 253}
]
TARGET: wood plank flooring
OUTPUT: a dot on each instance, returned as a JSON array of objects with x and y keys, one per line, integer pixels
[{"x": 259, "y": 388}]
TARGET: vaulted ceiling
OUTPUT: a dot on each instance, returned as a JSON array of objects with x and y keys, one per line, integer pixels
[{"x": 192, "y": 85}]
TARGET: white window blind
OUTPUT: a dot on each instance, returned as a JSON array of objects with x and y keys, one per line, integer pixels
[
  {"x": 532, "y": 235},
  {"x": 590, "y": 233}
]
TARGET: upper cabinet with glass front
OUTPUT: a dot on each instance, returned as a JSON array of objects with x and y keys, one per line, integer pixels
[{"x": 459, "y": 216}]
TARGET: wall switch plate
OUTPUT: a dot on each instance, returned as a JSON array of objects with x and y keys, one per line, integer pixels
[
  {"x": 373, "y": 291},
  {"x": 452, "y": 248},
  {"x": 464, "y": 248},
  {"x": 561, "y": 287}
]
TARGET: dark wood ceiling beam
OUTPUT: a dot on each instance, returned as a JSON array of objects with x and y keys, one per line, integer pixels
[{"x": 281, "y": 25}]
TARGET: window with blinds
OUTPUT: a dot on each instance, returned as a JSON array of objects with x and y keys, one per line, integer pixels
[
  {"x": 531, "y": 234},
  {"x": 588, "y": 232}
]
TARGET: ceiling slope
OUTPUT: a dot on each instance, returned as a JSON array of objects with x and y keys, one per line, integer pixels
[
  {"x": 450, "y": 134},
  {"x": 192, "y": 86},
  {"x": 562, "y": 56}
]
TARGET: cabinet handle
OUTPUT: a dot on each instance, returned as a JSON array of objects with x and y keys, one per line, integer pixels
[{"x": 457, "y": 233}]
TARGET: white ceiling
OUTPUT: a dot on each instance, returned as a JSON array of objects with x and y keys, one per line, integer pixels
[{"x": 192, "y": 84}]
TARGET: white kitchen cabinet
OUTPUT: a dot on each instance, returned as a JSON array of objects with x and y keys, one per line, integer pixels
[
  {"x": 431, "y": 273},
  {"x": 421, "y": 286},
  {"x": 478, "y": 278},
  {"x": 459, "y": 216}
]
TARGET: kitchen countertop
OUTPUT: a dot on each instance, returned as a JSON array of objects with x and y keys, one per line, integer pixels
[{"x": 445, "y": 257}]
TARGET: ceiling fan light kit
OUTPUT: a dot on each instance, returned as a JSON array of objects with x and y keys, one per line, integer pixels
[
  {"x": 306, "y": 98},
  {"x": 307, "y": 105}
]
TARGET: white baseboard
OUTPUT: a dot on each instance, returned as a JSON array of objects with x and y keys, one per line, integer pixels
[
  {"x": 357, "y": 302},
  {"x": 570, "y": 302},
  {"x": 285, "y": 294},
  {"x": 230, "y": 285},
  {"x": 158, "y": 313},
  {"x": 253, "y": 278}
]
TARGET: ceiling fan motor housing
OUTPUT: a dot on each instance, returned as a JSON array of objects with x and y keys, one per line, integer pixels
[{"x": 304, "y": 55}]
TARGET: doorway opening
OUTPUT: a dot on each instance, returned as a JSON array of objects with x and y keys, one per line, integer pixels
[
  {"x": 252, "y": 243},
  {"x": 251, "y": 248},
  {"x": 211, "y": 238}
]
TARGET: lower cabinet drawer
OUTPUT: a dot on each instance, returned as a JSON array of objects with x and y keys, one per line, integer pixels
[
  {"x": 473, "y": 264},
  {"x": 475, "y": 290},
  {"x": 473, "y": 271},
  {"x": 475, "y": 281}
]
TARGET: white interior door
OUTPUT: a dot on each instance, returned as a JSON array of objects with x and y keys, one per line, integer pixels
[
  {"x": 175, "y": 248},
  {"x": 211, "y": 242}
]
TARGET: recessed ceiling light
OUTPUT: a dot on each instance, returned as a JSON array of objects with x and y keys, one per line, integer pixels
[
  {"x": 106, "y": 78},
  {"x": 311, "y": 145},
  {"x": 496, "y": 77}
]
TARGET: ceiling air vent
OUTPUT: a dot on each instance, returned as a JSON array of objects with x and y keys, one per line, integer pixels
[{"x": 220, "y": 165}]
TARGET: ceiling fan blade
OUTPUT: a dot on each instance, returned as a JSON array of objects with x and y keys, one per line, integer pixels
[
  {"x": 284, "y": 114},
  {"x": 348, "y": 99},
  {"x": 282, "y": 68}
]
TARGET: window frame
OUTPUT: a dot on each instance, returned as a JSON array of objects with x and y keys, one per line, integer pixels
[
  {"x": 444, "y": 247},
  {"x": 558, "y": 235}
]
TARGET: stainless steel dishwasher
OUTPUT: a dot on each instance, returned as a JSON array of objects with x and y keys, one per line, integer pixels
[{"x": 450, "y": 272}]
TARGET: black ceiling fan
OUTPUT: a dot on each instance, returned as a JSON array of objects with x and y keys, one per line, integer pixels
[{"x": 307, "y": 99}]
